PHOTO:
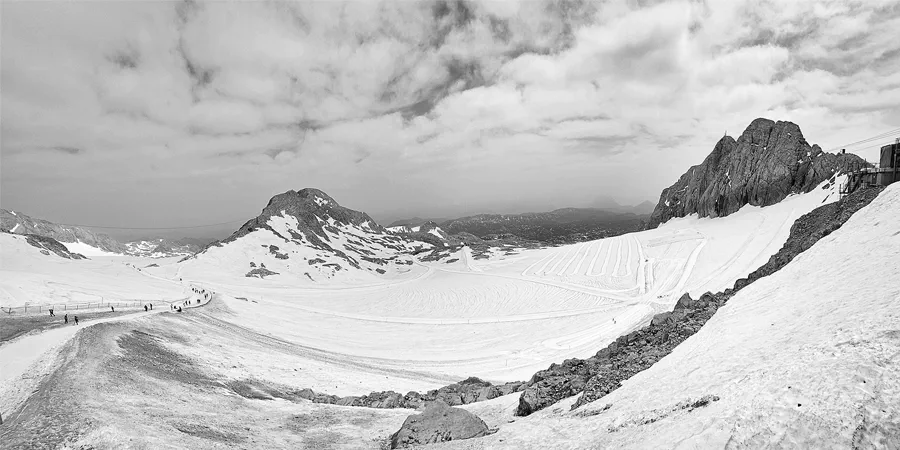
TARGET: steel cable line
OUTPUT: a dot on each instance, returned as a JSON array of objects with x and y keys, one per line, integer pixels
[
  {"x": 151, "y": 228},
  {"x": 885, "y": 135}
]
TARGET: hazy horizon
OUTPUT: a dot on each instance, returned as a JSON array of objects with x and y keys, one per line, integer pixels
[{"x": 174, "y": 114}]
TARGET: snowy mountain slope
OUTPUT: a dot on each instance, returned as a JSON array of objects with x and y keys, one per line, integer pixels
[
  {"x": 808, "y": 357},
  {"x": 86, "y": 242},
  {"x": 307, "y": 237},
  {"x": 29, "y": 276},
  {"x": 76, "y": 239}
]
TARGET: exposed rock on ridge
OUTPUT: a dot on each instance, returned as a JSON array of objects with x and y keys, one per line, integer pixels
[
  {"x": 768, "y": 162},
  {"x": 467, "y": 391},
  {"x": 47, "y": 245}
]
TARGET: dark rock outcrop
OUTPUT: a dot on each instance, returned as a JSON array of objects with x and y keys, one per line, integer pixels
[
  {"x": 467, "y": 391},
  {"x": 260, "y": 272},
  {"x": 768, "y": 162},
  {"x": 439, "y": 422},
  {"x": 604, "y": 372},
  {"x": 48, "y": 245}
]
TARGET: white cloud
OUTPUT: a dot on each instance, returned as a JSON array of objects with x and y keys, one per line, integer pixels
[{"x": 395, "y": 103}]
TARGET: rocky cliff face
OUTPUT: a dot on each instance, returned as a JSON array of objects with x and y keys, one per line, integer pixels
[{"x": 768, "y": 162}]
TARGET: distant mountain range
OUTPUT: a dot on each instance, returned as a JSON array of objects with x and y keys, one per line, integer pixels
[
  {"x": 561, "y": 226},
  {"x": 79, "y": 238}
]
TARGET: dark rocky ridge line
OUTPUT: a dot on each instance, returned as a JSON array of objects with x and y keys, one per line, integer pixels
[
  {"x": 467, "y": 391},
  {"x": 604, "y": 372},
  {"x": 769, "y": 161}
]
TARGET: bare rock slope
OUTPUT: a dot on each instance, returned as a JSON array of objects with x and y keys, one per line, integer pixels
[{"x": 768, "y": 162}]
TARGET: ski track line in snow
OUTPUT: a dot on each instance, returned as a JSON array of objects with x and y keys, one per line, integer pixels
[
  {"x": 577, "y": 269},
  {"x": 528, "y": 269},
  {"x": 736, "y": 255},
  {"x": 606, "y": 260},
  {"x": 604, "y": 293},
  {"x": 459, "y": 321},
  {"x": 558, "y": 262},
  {"x": 572, "y": 259},
  {"x": 590, "y": 267},
  {"x": 587, "y": 336},
  {"x": 686, "y": 273},
  {"x": 552, "y": 256},
  {"x": 671, "y": 276},
  {"x": 615, "y": 271},
  {"x": 396, "y": 367},
  {"x": 546, "y": 361}
]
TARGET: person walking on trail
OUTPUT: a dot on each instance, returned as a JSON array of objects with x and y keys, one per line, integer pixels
[
  {"x": 76, "y": 320},
  {"x": 66, "y": 318},
  {"x": 112, "y": 308},
  {"x": 145, "y": 308},
  {"x": 151, "y": 307},
  {"x": 51, "y": 312}
]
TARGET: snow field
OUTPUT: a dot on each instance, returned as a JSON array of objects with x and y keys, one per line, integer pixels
[
  {"x": 502, "y": 318},
  {"x": 29, "y": 277},
  {"x": 804, "y": 358}
]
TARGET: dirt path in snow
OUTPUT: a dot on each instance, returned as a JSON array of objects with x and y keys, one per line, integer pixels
[{"x": 25, "y": 361}]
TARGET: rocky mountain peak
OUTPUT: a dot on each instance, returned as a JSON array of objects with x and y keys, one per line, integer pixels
[
  {"x": 769, "y": 161},
  {"x": 316, "y": 213},
  {"x": 315, "y": 208}
]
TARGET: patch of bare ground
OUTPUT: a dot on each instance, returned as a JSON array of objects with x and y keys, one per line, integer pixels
[
  {"x": 12, "y": 327},
  {"x": 131, "y": 385}
]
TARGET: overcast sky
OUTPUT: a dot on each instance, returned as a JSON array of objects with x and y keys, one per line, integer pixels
[{"x": 176, "y": 114}]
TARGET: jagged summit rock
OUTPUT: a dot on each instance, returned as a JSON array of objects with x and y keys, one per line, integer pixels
[{"x": 768, "y": 162}]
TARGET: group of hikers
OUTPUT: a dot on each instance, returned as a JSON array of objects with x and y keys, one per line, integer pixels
[
  {"x": 65, "y": 317},
  {"x": 149, "y": 306},
  {"x": 202, "y": 292}
]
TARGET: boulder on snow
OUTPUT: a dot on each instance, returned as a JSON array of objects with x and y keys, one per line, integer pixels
[
  {"x": 684, "y": 302},
  {"x": 439, "y": 422}
]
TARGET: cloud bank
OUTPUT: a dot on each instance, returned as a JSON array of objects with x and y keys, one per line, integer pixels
[{"x": 164, "y": 113}]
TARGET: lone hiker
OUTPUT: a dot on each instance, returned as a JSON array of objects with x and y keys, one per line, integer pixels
[
  {"x": 66, "y": 318},
  {"x": 76, "y": 320},
  {"x": 112, "y": 308}
]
